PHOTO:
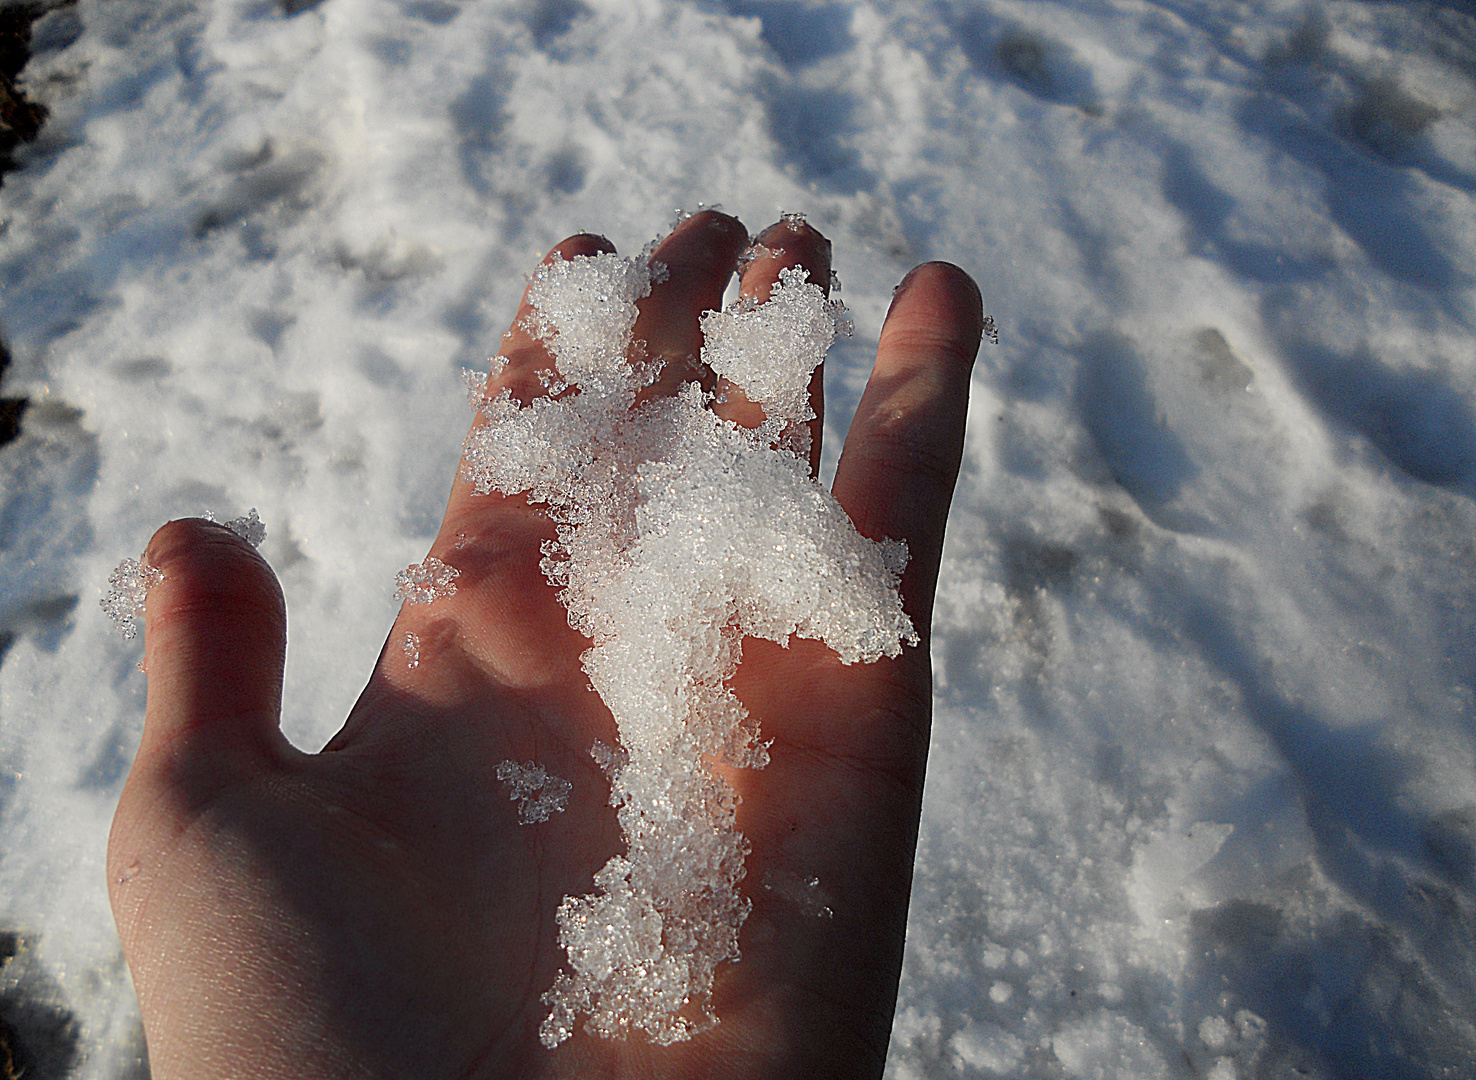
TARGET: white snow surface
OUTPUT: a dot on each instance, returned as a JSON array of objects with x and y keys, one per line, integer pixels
[{"x": 1203, "y": 793}]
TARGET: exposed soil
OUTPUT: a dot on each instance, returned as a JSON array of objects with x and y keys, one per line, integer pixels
[
  {"x": 20, "y": 118},
  {"x": 20, "y": 122}
]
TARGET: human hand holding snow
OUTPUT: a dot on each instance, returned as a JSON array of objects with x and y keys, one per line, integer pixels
[{"x": 377, "y": 910}]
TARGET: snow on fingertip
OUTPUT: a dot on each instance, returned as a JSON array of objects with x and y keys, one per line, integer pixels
[
  {"x": 128, "y": 588},
  {"x": 248, "y": 527}
]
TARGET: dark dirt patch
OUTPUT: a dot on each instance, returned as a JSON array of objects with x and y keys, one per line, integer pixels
[
  {"x": 11, "y": 410},
  {"x": 20, "y": 122},
  {"x": 20, "y": 118}
]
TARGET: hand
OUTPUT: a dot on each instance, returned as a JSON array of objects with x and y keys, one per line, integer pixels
[{"x": 376, "y": 910}]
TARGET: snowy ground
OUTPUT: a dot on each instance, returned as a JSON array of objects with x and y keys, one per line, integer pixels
[{"x": 1203, "y": 801}]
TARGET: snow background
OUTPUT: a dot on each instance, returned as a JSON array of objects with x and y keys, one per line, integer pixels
[{"x": 1203, "y": 796}]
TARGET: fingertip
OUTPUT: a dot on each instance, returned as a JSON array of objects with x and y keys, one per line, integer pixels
[
  {"x": 795, "y": 223},
  {"x": 698, "y": 257},
  {"x": 785, "y": 244},
  {"x": 215, "y": 642},
  {"x": 714, "y": 221},
  {"x": 791, "y": 231},
  {"x": 180, "y": 537},
  {"x": 703, "y": 247},
  {"x": 939, "y": 271},
  {"x": 582, "y": 243},
  {"x": 939, "y": 306},
  {"x": 206, "y": 564}
]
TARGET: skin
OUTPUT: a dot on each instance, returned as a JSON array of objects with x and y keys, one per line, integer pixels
[{"x": 376, "y": 909}]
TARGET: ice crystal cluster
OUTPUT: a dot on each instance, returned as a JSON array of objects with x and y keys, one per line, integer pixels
[
  {"x": 129, "y": 584},
  {"x": 539, "y": 793},
  {"x": 248, "y": 526},
  {"x": 678, "y": 533},
  {"x": 427, "y": 582},
  {"x": 128, "y": 587},
  {"x": 410, "y": 646}
]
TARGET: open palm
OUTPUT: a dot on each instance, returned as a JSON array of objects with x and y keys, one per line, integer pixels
[{"x": 376, "y": 910}]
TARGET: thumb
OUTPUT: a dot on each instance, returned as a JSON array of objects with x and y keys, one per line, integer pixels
[{"x": 215, "y": 645}]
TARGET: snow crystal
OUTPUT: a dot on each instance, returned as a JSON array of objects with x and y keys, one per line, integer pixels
[
  {"x": 584, "y": 309},
  {"x": 128, "y": 587},
  {"x": 678, "y": 534},
  {"x": 248, "y": 528},
  {"x": 772, "y": 349},
  {"x": 753, "y": 251},
  {"x": 539, "y": 793},
  {"x": 476, "y": 386},
  {"x": 423, "y": 583},
  {"x": 410, "y": 646}
]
